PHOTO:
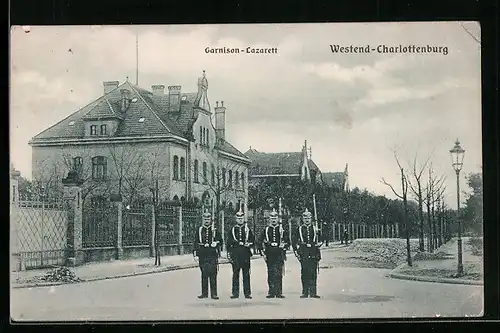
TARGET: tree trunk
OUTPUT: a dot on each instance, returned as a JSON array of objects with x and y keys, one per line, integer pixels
[
  {"x": 434, "y": 231},
  {"x": 421, "y": 219},
  {"x": 429, "y": 240}
]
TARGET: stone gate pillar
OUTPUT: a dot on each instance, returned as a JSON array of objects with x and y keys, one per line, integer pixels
[{"x": 74, "y": 205}]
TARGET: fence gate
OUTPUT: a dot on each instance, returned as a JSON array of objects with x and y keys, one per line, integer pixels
[
  {"x": 191, "y": 219},
  {"x": 100, "y": 218},
  {"x": 136, "y": 224},
  {"x": 39, "y": 233},
  {"x": 167, "y": 220}
]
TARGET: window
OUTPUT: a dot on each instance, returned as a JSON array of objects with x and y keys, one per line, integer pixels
[
  {"x": 196, "y": 171},
  {"x": 141, "y": 120},
  {"x": 242, "y": 180},
  {"x": 201, "y": 135},
  {"x": 103, "y": 130},
  {"x": 77, "y": 165},
  {"x": 208, "y": 140},
  {"x": 99, "y": 167},
  {"x": 93, "y": 130},
  {"x": 71, "y": 123},
  {"x": 213, "y": 175},
  {"x": 205, "y": 173},
  {"x": 176, "y": 167},
  {"x": 230, "y": 179},
  {"x": 237, "y": 179},
  {"x": 223, "y": 177},
  {"x": 183, "y": 168}
]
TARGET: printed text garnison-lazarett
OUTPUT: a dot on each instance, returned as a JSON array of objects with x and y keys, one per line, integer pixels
[{"x": 236, "y": 50}]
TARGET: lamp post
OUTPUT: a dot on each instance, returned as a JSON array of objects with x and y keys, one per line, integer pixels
[{"x": 457, "y": 156}]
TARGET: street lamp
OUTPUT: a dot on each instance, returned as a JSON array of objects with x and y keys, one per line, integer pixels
[{"x": 457, "y": 156}]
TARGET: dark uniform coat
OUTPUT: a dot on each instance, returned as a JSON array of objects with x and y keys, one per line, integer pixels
[
  {"x": 208, "y": 258},
  {"x": 309, "y": 255},
  {"x": 270, "y": 240},
  {"x": 240, "y": 257}
]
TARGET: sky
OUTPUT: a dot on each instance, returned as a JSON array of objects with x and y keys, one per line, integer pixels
[{"x": 351, "y": 108}]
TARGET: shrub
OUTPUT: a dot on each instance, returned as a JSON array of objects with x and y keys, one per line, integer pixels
[{"x": 476, "y": 244}]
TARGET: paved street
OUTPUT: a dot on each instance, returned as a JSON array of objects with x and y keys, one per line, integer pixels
[{"x": 346, "y": 293}]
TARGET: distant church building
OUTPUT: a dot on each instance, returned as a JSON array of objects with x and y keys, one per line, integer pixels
[{"x": 130, "y": 140}]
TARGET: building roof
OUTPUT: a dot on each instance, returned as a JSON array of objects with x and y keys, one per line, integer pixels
[
  {"x": 277, "y": 163},
  {"x": 159, "y": 118},
  {"x": 336, "y": 179},
  {"x": 229, "y": 148}
]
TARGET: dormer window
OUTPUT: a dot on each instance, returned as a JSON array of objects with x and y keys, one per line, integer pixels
[
  {"x": 141, "y": 120},
  {"x": 134, "y": 99},
  {"x": 103, "y": 130},
  {"x": 71, "y": 123},
  {"x": 93, "y": 129}
]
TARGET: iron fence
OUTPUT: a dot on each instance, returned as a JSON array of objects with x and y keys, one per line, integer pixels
[
  {"x": 136, "y": 225},
  {"x": 191, "y": 219},
  {"x": 39, "y": 233},
  {"x": 167, "y": 221},
  {"x": 100, "y": 218}
]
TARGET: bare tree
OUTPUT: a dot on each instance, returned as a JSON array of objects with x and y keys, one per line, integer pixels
[
  {"x": 432, "y": 188},
  {"x": 47, "y": 179},
  {"x": 127, "y": 172},
  {"x": 82, "y": 165},
  {"x": 403, "y": 196},
  {"x": 158, "y": 183},
  {"x": 221, "y": 180},
  {"x": 417, "y": 190}
]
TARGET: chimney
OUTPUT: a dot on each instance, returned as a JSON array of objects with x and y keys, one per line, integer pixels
[
  {"x": 125, "y": 99},
  {"x": 109, "y": 86},
  {"x": 220, "y": 121},
  {"x": 174, "y": 98},
  {"x": 158, "y": 89}
]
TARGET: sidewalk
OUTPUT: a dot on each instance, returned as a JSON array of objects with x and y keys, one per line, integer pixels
[
  {"x": 444, "y": 270},
  {"x": 119, "y": 268}
]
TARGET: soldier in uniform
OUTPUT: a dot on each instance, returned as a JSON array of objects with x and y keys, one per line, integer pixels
[
  {"x": 273, "y": 242},
  {"x": 239, "y": 241},
  {"x": 207, "y": 246},
  {"x": 306, "y": 245}
]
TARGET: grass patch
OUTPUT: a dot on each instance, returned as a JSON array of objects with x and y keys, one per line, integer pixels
[
  {"x": 432, "y": 256},
  {"x": 472, "y": 271}
]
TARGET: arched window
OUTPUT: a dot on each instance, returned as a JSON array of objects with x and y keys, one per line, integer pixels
[
  {"x": 176, "y": 198},
  {"x": 242, "y": 180},
  {"x": 77, "y": 165},
  {"x": 183, "y": 168},
  {"x": 201, "y": 135},
  {"x": 205, "y": 179},
  {"x": 208, "y": 138},
  {"x": 176, "y": 167},
  {"x": 196, "y": 170},
  {"x": 237, "y": 179},
  {"x": 99, "y": 167},
  {"x": 223, "y": 177},
  {"x": 213, "y": 175},
  {"x": 230, "y": 178}
]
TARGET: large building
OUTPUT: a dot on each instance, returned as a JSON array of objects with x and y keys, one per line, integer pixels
[
  {"x": 292, "y": 166},
  {"x": 131, "y": 140}
]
